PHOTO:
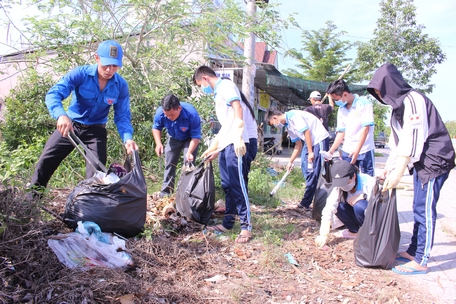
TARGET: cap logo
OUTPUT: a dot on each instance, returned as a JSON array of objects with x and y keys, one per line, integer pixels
[
  {"x": 337, "y": 176},
  {"x": 113, "y": 51}
]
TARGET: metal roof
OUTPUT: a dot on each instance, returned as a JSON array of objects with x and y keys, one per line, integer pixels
[{"x": 290, "y": 91}]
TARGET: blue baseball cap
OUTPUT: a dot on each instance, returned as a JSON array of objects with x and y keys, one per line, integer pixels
[{"x": 110, "y": 53}]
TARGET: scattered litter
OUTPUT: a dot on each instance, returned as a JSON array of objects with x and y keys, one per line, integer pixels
[
  {"x": 291, "y": 259},
  {"x": 272, "y": 172},
  {"x": 89, "y": 247},
  {"x": 216, "y": 278}
]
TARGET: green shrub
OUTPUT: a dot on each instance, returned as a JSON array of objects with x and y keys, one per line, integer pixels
[{"x": 27, "y": 119}]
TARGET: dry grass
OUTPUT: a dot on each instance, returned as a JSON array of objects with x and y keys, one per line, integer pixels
[{"x": 181, "y": 264}]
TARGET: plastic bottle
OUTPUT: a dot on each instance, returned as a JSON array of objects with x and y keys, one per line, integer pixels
[{"x": 310, "y": 167}]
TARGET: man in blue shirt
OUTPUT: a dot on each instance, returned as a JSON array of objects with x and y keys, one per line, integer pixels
[
  {"x": 184, "y": 133},
  {"x": 95, "y": 89}
]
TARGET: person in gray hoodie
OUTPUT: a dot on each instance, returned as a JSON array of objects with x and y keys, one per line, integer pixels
[{"x": 420, "y": 142}]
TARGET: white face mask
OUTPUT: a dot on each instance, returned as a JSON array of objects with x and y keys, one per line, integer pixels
[{"x": 348, "y": 187}]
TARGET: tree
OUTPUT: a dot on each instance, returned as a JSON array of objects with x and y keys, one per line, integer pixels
[
  {"x": 451, "y": 127},
  {"x": 325, "y": 59},
  {"x": 398, "y": 39},
  {"x": 159, "y": 38}
]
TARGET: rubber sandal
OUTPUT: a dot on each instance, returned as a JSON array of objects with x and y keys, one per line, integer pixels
[
  {"x": 401, "y": 259},
  {"x": 344, "y": 234},
  {"x": 412, "y": 272},
  {"x": 244, "y": 237}
]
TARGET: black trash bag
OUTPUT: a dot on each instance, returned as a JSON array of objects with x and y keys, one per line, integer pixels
[
  {"x": 324, "y": 188},
  {"x": 327, "y": 171},
  {"x": 118, "y": 207},
  {"x": 321, "y": 195},
  {"x": 195, "y": 194},
  {"x": 377, "y": 242}
]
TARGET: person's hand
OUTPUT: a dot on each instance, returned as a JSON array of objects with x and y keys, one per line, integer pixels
[
  {"x": 159, "y": 150},
  {"x": 326, "y": 155},
  {"x": 355, "y": 198},
  {"x": 130, "y": 145},
  {"x": 289, "y": 166},
  {"x": 384, "y": 174},
  {"x": 189, "y": 157},
  {"x": 213, "y": 147},
  {"x": 354, "y": 157},
  {"x": 238, "y": 141},
  {"x": 321, "y": 240},
  {"x": 64, "y": 125},
  {"x": 211, "y": 156},
  {"x": 394, "y": 177},
  {"x": 310, "y": 156}
]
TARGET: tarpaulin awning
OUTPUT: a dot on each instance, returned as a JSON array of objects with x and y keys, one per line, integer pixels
[{"x": 290, "y": 91}]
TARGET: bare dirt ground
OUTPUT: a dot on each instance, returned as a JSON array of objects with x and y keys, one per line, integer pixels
[{"x": 181, "y": 264}]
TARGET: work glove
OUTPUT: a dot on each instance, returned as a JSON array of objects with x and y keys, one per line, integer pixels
[
  {"x": 320, "y": 240},
  {"x": 213, "y": 147},
  {"x": 326, "y": 155},
  {"x": 238, "y": 141},
  {"x": 396, "y": 174}
]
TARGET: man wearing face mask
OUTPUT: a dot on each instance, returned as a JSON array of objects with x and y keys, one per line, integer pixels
[
  {"x": 184, "y": 133},
  {"x": 347, "y": 201},
  {"x": 420, "y": 142},
  {"x": 229, "y": 146},
  {"x": 355, "y": 127},
  {"x": 304, "y": 126}
]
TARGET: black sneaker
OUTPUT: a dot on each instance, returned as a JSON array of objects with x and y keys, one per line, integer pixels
[
  {"x": 303, "y": 207},
  {"x": 33, "y": 196},
  {"x": 34, "y": 193}
]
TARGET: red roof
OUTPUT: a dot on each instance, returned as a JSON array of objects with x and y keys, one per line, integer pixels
[{"x": 263, "y": 55}]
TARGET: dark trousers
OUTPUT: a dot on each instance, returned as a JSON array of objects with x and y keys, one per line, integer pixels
[
  {"x": 251, "y": 152},
  {"x": 173, "y": 150},
  {"x": 312, "y": 177},
  {"x": 233, "y": 184},
  {"x": 424, "y": 216},
  {"x": 352, "y": 216},
  {"x": 365, "y": 162},
  {"x": 305, "y": 153},
  {"x": 58, "y": 147}
]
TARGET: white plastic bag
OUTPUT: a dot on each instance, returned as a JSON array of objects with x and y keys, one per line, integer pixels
[{"x": 97, "y": 249}]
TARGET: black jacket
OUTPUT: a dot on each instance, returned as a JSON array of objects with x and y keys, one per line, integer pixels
[{"x": 437, "y": 155}]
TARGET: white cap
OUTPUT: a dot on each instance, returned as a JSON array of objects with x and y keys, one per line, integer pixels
[{"x": 314, "y": 94}]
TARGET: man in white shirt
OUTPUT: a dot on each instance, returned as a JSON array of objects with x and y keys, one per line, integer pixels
[
  {"x": 230, "y": 146},
  {"x": 355, "y": 127},
  {"x": 304, "y": 126}
]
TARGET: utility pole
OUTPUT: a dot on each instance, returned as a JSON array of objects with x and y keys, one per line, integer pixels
[{"x": 248, "y": 75}]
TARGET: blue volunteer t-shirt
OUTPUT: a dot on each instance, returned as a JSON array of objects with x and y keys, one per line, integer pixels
[
  {"x": 89, "y": 105},
  {"x": 187, "y": 125}
]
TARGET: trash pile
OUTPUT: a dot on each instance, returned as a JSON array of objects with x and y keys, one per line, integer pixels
[{"x": 88, "y": 247}]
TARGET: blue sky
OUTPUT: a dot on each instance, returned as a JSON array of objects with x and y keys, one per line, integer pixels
[{"x": 358, "y": 18}]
